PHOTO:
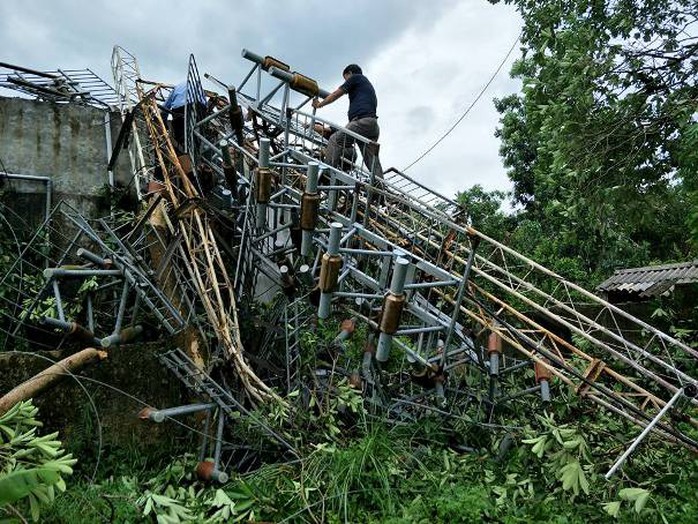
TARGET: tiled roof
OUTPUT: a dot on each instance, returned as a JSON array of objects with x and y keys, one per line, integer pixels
[{"x": 651, "y": 280}]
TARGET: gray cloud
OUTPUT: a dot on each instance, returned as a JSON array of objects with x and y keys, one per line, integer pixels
[
  {"x": 312, "y": 36},
  {"x": 418, "y": 119},
  {"x": 427, "y": 60}
]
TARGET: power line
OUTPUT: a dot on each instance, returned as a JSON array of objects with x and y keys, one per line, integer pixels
[{"x": 460, "y": 119}]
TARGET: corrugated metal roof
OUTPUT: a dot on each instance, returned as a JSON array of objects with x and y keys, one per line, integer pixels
[{"x": 651, "y": 280}]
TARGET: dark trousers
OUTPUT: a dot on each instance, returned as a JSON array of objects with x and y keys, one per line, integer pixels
[
  {"x": 194, "y": 112},
  {"x": 339, "y": 142},
  {"x": 178, "y": 127}
]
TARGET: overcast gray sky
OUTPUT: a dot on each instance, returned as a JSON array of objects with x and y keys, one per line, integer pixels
[{"x": 427, "y": 59}]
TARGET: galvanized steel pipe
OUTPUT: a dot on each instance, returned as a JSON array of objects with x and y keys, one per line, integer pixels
[
  {"x": 396, "y": 290},
  {"x": 159, "y": 415},
  {"x": 57, "y": 272},
  {"x": 328, "y": 275},
  {"x": 264, "y": 144},
  {"x": 309, "y": 209},
  {"x": 298, "y": 85},
  {"x": 644, "y": 433},
  {"x": 95, "y": 259},
  {"x": 124, "y": 336}
]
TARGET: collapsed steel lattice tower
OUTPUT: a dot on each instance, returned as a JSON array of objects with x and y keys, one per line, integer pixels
[
  {"x": 385, "y": 250},
  {"x": 357, "y": 233}
]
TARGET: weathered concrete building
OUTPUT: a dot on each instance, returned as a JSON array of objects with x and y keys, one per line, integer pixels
[{"x": 52, "y": 151}]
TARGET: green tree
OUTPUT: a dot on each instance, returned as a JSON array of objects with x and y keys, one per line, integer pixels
[
  {"x": 689, "y": 174},
  {"x": 484, "y": 211},
  {"x": 597, "y": 142}
]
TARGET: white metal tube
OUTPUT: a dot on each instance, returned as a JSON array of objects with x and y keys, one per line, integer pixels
[{"x": 644, "y": 433}]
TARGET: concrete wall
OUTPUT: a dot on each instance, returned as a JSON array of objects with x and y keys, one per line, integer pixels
[{"x": 65, "y": 142}]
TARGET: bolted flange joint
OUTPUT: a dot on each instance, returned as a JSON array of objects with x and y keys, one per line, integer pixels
[
  {"x": 329, "y": 272},
  {"x": 393, "y": 305},
  {"x": 310, "y": 207},
  {"x": 263, "y": 176}
]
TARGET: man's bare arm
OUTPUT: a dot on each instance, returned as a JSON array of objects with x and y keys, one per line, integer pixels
[{"x": 334, "y": 95}]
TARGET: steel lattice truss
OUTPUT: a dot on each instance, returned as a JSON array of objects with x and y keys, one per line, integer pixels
[
  {"x": 455, "y": 274},
  {"x": 75, "y": 86},
  {"x": 387, "y": 251}
]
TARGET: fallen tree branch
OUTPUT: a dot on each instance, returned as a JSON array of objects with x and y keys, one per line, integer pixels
[{"x": 50, "y": 376}]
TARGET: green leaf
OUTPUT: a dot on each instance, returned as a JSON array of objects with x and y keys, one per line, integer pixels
[
  {"x": 162, "y": 500},
  {"x": 641, "y": 501},
  {"x": 567, "y": 432},
  {"x": 539, "y": 445},
  {"x": 639, "y": 495},
  {"x": 20, "y": 483},
  {"x": 167, "y": 519},
  {"x": 60, "y": 485},
  {"x": 572, "y": 477},
  {"x": 221, "y": 498},
  {"x": 41, "y": 493},
  {"x": 612, "y": 508},
  {"x": 583, "y": 482},
  {"x": 242, "y": 506},
  {"x": 34, "y": 507},
  {"x": 8, "y": 430},
  {"x": 570, "y": 444},
  {"x": 631, "y": 493}
]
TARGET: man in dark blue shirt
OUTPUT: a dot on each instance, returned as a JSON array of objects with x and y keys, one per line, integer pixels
[{"x": 363, "y": 119}]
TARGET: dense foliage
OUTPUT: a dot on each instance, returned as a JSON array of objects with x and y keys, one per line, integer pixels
[
  {"x": 32, "y": 467},
  {"x": 537, "y": 463},
  {"x": 600, "y": 143},
  {"x": 545, "y": 470}
]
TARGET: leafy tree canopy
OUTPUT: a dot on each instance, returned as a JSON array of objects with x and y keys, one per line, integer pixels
[
  {"x": 600, "y": 143},
  {"x": 484, "y": 211}
]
